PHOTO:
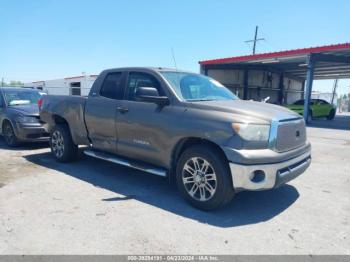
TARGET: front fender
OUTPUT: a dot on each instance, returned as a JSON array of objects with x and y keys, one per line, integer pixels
[{"x": 12, "y": 122}]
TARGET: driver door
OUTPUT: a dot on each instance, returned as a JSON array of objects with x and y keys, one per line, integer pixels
[{"x": 141, "y": 126}]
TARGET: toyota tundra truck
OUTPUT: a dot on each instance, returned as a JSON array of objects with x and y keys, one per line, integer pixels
[{"x": 184, "y": 126}]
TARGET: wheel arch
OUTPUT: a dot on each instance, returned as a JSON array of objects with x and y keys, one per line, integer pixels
[
  {"x": 76, "y": 128},
  {"x": 59, "y": 120},
  {"x": 187, "y": 142},
  {"x": 5, "y": 120}
]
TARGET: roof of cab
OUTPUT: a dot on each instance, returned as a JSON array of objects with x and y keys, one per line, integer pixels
[
  {"x": 17, "y": 89},
  {"x": 148, "y": 68}
]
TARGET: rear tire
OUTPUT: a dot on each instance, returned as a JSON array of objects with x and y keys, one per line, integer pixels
[
  {"x": 62, "y": 146},
  {"x": 9, "y": 135},
  {"x": 331, "y": 115},
  {"x": 203, "y": 178}
]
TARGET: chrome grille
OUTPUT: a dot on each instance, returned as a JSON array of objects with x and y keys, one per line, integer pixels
[{"x": 290, "y": 135}]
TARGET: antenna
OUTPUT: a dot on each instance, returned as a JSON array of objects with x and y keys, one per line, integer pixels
[
  {"x": 256, "y": 39},
  {"x": 173, "y": 54}
]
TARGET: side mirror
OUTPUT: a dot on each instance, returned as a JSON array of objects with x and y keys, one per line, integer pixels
[
  {"x": 265, "y": 99},
  {"x": 151, "y": 95}
]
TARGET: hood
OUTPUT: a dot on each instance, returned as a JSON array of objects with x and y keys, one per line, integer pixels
[
  {"x": 249, "y": 109},
  {"x": 28, "y": 110}
]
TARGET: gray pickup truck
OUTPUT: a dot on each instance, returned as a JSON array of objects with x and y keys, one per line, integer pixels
[{"x": 183, "y": 126}]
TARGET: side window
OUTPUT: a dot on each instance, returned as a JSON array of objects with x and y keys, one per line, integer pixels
[
  {"x": 137, "y": 80},
  {"x": 112, "y": 86}
]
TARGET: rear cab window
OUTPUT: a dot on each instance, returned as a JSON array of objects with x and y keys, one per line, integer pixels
[{"x": 112, "y": 86}]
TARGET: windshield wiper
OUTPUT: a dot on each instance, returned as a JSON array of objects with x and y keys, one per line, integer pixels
[
  {"x": 18, "y": 104},
  {"x": 199, "y": 100}
]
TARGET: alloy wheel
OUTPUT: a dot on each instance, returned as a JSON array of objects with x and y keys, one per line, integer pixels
[
  {"x": 57, "y": 144},
  {"x": 199, "y": 179}
]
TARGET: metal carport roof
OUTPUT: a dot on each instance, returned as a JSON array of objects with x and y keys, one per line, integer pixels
[
  {"x": 333, "y": 61},
  {"x": 323, "y": 62}
]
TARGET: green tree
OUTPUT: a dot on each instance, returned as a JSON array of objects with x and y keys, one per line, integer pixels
[{"x": 16, "y": 83}]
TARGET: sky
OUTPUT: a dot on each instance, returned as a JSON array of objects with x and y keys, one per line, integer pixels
[{"x": 48, "y": 39}]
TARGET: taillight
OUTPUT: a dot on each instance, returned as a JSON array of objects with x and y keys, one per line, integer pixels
[{"x": 40, "y": 103}]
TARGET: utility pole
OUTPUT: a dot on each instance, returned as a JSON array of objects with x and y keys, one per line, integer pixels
[
  {"x": 334, "y": 90},
  {"x": 2, "y": 82},
  {"x": 256, "y": 39}
]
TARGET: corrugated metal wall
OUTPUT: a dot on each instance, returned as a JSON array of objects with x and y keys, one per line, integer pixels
[{"x": 261, "y": 84}]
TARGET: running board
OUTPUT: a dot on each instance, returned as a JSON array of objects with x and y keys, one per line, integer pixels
[{"x": 120, "y": 161}]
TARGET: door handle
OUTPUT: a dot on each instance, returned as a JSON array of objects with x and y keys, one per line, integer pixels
[{"x": 122, "y": 109}]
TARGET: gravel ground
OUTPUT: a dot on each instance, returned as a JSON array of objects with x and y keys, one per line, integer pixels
[{"x": 95, "y": 207}]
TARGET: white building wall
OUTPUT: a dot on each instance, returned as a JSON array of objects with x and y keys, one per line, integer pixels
[
  {"x": 293, "y": 90},
  {"x": 56, "y": 87},
  {"x": 63, "y": 86}
]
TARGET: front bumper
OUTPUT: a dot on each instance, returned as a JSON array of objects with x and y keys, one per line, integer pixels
[
  {"x": 31, "y": 132},
  {"x": 267, "y": 176}
]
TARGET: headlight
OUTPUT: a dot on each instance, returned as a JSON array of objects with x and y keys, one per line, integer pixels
[
  {"x": 252, "y": 132},
  {"x": 27, "y": 119}
]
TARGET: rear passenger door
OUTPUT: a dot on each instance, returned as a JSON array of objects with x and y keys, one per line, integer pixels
[{"x": 101, "y": 112}]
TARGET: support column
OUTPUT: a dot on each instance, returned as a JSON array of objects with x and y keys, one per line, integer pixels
[
  {"x": 303, "y": 89},
  {"x": 308, "y": 87},
  {"x": 245, "y": 84},
  {"x": 281, "y": 89}
]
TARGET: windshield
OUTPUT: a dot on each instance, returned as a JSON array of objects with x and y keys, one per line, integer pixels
[
  {"x": 18, "y": 97},
  {"x": 195, "y": 87},
  {"x": 301, "y": 102}
]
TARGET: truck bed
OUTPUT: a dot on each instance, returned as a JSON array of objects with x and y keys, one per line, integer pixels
[{"x": 56, "y": 109}]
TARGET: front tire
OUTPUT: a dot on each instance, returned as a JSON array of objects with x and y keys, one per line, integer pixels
[
  {"x": 203, "y": 178},
  {"x": 62, "y": 145},
  {"x": 9, "y": 135}
]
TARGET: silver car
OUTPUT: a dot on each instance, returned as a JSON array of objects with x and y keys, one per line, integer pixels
[{"x": 19, "y": 116}]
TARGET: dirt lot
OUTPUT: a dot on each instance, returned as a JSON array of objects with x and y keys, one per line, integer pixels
[{"x": 95, "y": 207}]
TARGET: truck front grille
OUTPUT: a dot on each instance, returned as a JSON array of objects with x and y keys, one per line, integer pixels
[{"x": 290, "y": 135}]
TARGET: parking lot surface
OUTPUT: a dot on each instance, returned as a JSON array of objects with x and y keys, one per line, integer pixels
[{"x": 95, "y": 207}]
